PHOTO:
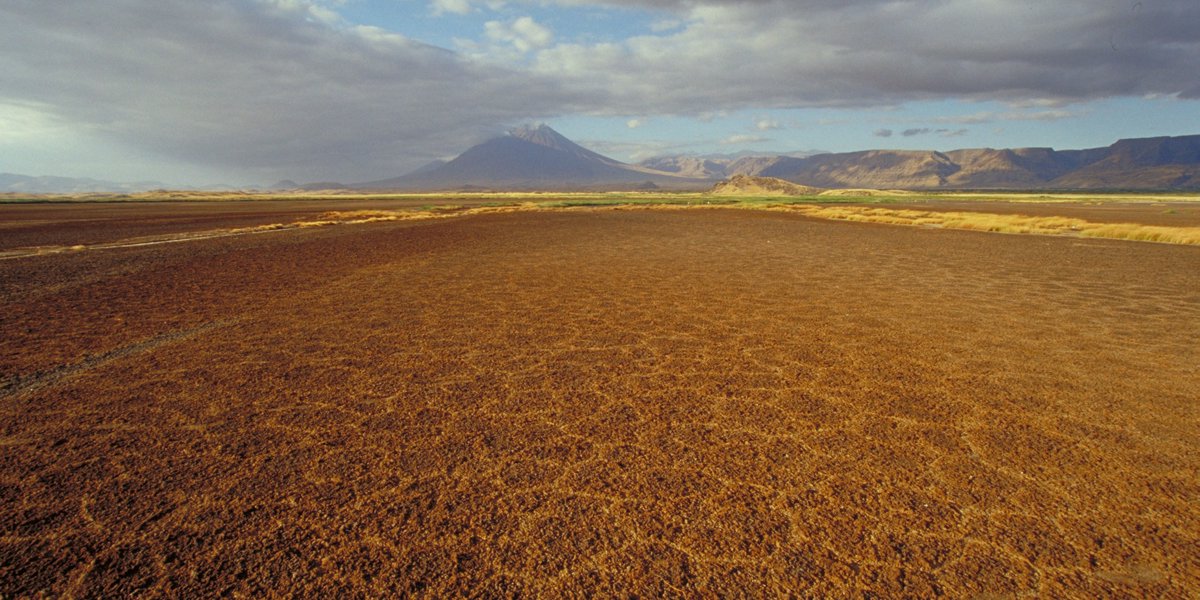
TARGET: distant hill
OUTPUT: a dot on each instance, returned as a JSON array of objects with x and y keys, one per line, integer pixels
[
  {"x": 748, "y": 185},
  {"x": 1019, "y": 168},
  {"x": 539, "y": 158},
  {"x": 717, "y": 166},
  {"x": 28, "y": 184},
  {"x": 1145, "y": 163},
  {"x": 687, "y": 166},
  {"x": 869, "y": 169},
  {"x": 534, "y": 158}
]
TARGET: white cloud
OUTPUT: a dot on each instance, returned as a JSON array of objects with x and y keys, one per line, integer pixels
[
  {"x": 463, "y": 7},
  {"x": 665, "y": 25},
  {"x": 991, "y": 116},
  {"x": 523, "y": 33},
  {"x": 24, "y": 123},
  {"x": 711, "y": 115},
  {"x": 1038, "y": 103},
  {"x": 289, "y": 87},
  {"x": 257, "y": 89},
  {"x": 634, "y": 123},
  {"x": 744, "y": 139},
  {"x": 776, "y": 54},
  {"x": 458, "y": 7},
  {"x": 767, "y": 124}
]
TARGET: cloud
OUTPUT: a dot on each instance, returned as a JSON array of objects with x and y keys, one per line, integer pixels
[
  {"x": 635, "y": 151},
  {"x": 926, "y": 131},
  {"x": 883, "y": 133},
  {"x": 458, "y": 7},
  {"x": 767, "y": 124},
  {"x": 634, "y": 123},
  {"x": 991, "y": 116},
  {"x": 259, "y": 89},
  {"x": 1038, "y": 103},
  {"x": 288, "y": 88},
  {"x": 523, "y": 33},
  {"x": 744, "y": 139},
  {"x": 20, "y": 123},
  {"x": 665, "y": 25},
  {"x": 709, "y": 116},
  {"x": 775, "y": 54}
]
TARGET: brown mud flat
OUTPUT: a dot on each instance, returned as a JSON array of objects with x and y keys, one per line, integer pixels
[
  {"x": 600, "y": 403},
  {"x": 70, "y": 223}
]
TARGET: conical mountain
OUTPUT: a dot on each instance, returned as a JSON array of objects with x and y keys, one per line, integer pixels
[
  {"x": 533, "y": 158},
  {"x": 543, "y": 135}
]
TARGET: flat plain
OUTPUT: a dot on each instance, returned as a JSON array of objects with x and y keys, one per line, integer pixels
[{"x": 595, "y": 401}]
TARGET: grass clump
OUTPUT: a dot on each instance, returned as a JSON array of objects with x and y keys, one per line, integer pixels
[
  {"x": 975, "y": 221},
  {"x": 1145, "y": 233}
]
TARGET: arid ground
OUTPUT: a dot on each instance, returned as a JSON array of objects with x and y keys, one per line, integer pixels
[{"x": 595, "y": 402}]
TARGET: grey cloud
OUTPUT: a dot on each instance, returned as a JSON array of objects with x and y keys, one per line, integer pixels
[
  {"x": 283, "y": 87},
  {"x": 943, "y": 132},
  {"x": 677, "y": 5},
  {"x": 883, "y": 133},
  {"x": 802, "y": 54},
  {"x": 272, "y": 88},
  {"x": 742, "y": 138},
  {"x": 988, "y": 117}
]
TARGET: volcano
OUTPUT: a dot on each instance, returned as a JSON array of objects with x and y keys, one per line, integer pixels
[{"x": 535, "y": 158}]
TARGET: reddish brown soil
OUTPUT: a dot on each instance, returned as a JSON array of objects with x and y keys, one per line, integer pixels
[
  {"x": 600, "y": 403},
  {"x": 69, "y": 223}
]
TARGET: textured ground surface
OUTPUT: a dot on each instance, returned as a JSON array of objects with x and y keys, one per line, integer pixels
[{"x": 598, "y": 402}]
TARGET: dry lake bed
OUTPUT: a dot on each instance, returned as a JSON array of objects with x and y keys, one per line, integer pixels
[{"x": 593, "y": 402}]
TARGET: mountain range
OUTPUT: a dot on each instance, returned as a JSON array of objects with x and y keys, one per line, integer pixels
[
  {"x": 1159, "y": 163},
  {"x": 46, "y": 184},
  {"x": 539, "y": 158}
]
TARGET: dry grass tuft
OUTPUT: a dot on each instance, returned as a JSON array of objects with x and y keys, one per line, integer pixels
[
  {"x": 1004, "y": 223},
  {"x": 355, "y": 217},
  {"x": 1145, "y": 233},
  {"x": 352, "y": 217},
  {"x": 867, "y": 192}
]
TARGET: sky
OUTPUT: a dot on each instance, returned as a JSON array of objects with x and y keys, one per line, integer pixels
[{"x": 248, "y": 92}]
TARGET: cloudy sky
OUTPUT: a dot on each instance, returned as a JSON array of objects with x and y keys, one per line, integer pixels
[{"x": 252, "y": 91}]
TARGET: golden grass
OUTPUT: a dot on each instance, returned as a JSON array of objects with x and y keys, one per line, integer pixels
[
  {"x": 150, "y": 240},
  {"x": 1144, "y": 233},
  {"x": 355, "y": 217},
  {"x": 1024, "y": 224},
  {"x": 974, "y": 221},
  {"x": 866, "y": 192}
]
